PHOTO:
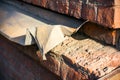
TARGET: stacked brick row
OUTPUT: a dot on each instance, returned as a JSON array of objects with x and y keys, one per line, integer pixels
[
  {"x": 23, "y": 63},
  {"x": 71, "y": 60},
  {"x": 102, "y": 12},
  {"x": 14, "y": 65},
  {"x": 64, "y": 61}
]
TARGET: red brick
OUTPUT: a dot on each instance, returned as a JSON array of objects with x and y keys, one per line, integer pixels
[
  {"x": 61, "y": 69},
  {"x": 51, "y": 64},
  {"x": 102, "y": 12},
  {"x": 68, "y": 73},
  {"x": 43, "y": 3},
  {"x": 88, "y": 12},
  {"x": 109, "y": 36},
  {"x": 16, "y": 65},
  {"x": 116, "y": 17},
  {"x": 93, "y": 58},
  {"x": 108, "y": 16},
  {"x": 58, "y": 5},
  {"x": 114, "y": 59},
  {"x": 75, "y": 8},
  {"x": 105, "y": 2}
]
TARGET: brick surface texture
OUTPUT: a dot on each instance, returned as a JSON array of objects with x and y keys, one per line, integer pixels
[
  {"x": 14, "y": 65},
  {"x": 102, "y": 12},
  {"x": 76, "y": 58},
  {"x": 91, "y": 57},
  {"x": 98, "y": 32},
  {"x": 25, "y": 63}
]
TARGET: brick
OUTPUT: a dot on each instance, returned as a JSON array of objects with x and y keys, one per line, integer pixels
[
  {"x": 51, "y": 64},
  {"x": 109, "y": 36},
  {"x": 62, "y": 6},
  {"x": 75, "y": 8},
  {"x": 88, "y": 12},
  {"x": 43, "y": 3},
  {"x": 101, "y": 16},
  {"x": 114, "y": 59},
  {"x": 58, "y": 5},
  {"x": 88, "y": 59},
  {"x": 54, "y": 64},
  {"x": 105, "y": 3},
  {"x": 15, "y": 65},
  {"x": 108, "y": 16},
  {"x": 92, "y": 10},
  {"x": 99, "y": 63},
  {"x": 60, "y": 68},
  {"x": 114, "y": 75},
  {"x": 68, "y": 73},
  {"x": 91, "y": 57},
  {"x": 32, "y": 63}
]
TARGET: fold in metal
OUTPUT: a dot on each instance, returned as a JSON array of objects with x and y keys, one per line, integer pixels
[
  {"x": 24, "y": 29},
  {"x": 47, "y": 37}
]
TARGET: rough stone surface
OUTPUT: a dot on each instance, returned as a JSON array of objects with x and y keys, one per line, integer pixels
[{"x": 102, "y": 12}]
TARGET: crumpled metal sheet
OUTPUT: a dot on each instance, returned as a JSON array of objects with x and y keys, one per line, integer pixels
[
  {"x": 13, "y": 24},
  {"x": 26, "y": 30},
  {"x": 47, "y": 37}
]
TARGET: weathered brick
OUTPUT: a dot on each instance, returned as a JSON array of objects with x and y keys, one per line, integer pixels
[
  {"x": 88, "y": 12},
  {"x": 51, "y": 64},
  {"x": 93, "y": 58},
  {"x": 58, "y": 5},
  {"x": 109, "y": 36},
  {"x": 60, "y": 68},
  {"x": 105, "y": 3},
  {"x": 54, "y": 63},
  {"x": 68, "y": 73},
  {"x": 15, "y": 65},
  {"x": 43, "y": 3},
  {"x": 102, "y": 12},
  {"x": 75, "y": 8},
  {"x": 114, "y": 59},
  {"x": 114, "y": 75},
  {"x": 108, "y": 16}
]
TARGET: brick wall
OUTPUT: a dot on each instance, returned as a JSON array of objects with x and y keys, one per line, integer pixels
[
  {"x": 102, "y": 12},
  {"x": 14, "y": 65}
]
